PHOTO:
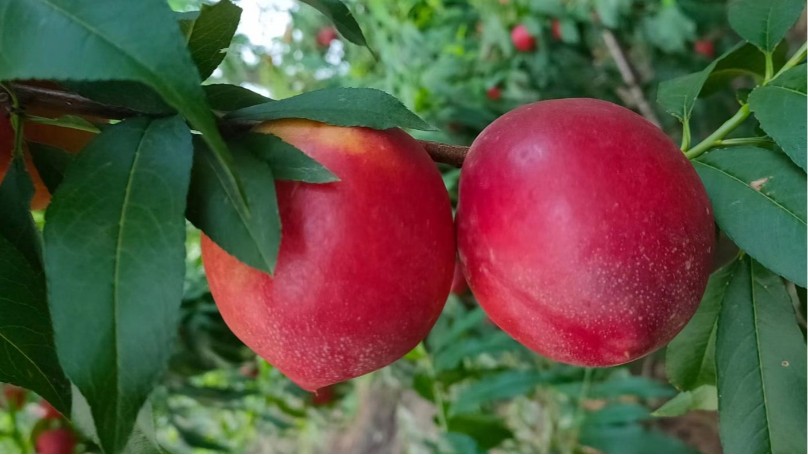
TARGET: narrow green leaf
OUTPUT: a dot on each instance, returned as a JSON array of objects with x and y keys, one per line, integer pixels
[
  {"x": 209, "y": 34},
  {"x": 341, "y": 16},
  {"x": 114, "y": 255},
  {"x": 16, "y": 224},
  {"x": 690, "y": 357},
  {"x": 760, "y": 354},
  {"x": 253, "y": 238},
  {"x": 618, "y": 414},
  {"x": 780, "y": 109},
  {"x": 452, "y": 356},
  {"x": 742, "y": 60},
  {"x": 286, "y": 161},
  {"x": 108, "y": 48},
  {"x": 631, "y": 438},
  {"x": 27, "y": 353},
  {"x": 493, "y": 387},
  {"x": 759, "y": 200},
  {"x": 487, "y": 430},
  {"x": 764, "y": 23},
  {"x": 51, "y": 163},
  {"x": 133, "y": 95},
  {"x": 227, "y": 97},
  {"x": 704, "y": 397},
  {"x": 338, "y": 106}
]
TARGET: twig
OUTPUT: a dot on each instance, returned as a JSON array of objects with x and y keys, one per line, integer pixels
[
  {"x": 71, "y": 103},
  {"x": 629, "y": 76}
]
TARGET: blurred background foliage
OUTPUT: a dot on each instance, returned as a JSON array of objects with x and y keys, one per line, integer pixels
[{"x": 468, "y": 388}]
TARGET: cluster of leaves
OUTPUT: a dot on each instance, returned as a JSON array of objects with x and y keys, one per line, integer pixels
[
  {"x": 90, "y": 307},
  {"x": 744, "y": 351}
]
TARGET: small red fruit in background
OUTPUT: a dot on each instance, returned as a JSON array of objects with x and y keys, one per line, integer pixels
[
  {"x": 555, "y": 29},
  {"x": 522, "y": 39},
  {"x": 325, "y": 36},
  {"x": 584, "y": 231},
  {"x": 60, "y": 440},
  {"x": 494, "y": 93},
  {"x": 15, "y": 396},
  {"x": 704, "y": 47},
  {"x": 50, "y": 412}
]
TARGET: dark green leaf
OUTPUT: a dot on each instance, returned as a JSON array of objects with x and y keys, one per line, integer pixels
[
  {"x": 630, "y": 439},
  {"x": 209, "y": 34},
  {"x": 618, "y": 386},
  {"x": 16, "y": 225},
  {"x": 498, "y": 386},
  {"x": 452, "y": 356},
  {"x": 226, "y": 97},
  {"x": 690, "y": 357},
  {"x": 764, "y": 23},
  {"x": 341, "y": 16},
  {"x": 27, "y": 353},
  {"x": 286, "y": 161},
  {"x": 423, "y": 384},
  {"x": 115, "y": 264},
  {"x": 253, "y": 237},
  {"x": 742, "y": 60},
  {"x": 759, "y": 200},
  {"x": 618, "y": 414},
  {"x": 51, "y": 163},
  {"x": 89, "y": 40},
  {"x": 451, "y": 334},
  {"x": 136, "y": 96},
  {"x": 488, "y": 430},
  {"x": 703, "y": 398},
  {"x": 678, "y": 96},
  {"x": 780, "y": 109},
  {"x": 338, "y": 106},
  {"x": 760, "y": 355}
]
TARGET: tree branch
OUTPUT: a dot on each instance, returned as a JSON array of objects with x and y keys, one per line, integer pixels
[
  {"x": 635, "y": 95},
  {"x": 73, "y": 104}
]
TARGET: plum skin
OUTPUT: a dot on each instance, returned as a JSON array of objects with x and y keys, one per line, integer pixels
[
  {"x": 365, "y": 264},
  {"x": 583, "y": 231}
]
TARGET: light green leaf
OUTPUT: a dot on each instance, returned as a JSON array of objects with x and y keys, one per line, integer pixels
[
  {"x": 338, "y": 106},
  {"x": 760, "y": 355},
  {"x": 759, "y": 200},
  {"x": 115, "y": 260},
  {"x": 764, "y": 22},
  {"x": 498, "y": 386},
  {"x": 780, "y": 109},
  {"x": 678, "y": 96},
  {"x": 704, "y": 397}
]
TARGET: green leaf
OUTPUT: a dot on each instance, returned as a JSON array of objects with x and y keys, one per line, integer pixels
[
  {"x": 51, "y": 163},
  {"x": 87, "y": 40},
  {"x": 338, "y": 106},
  {"x": 488, "y": 430},
  {"x": 617, "y": 414},
  {"x": 115, "y": 256},
  {"x": 678, "y": 96},
  {"x": 132, "y": 95},
  {"x": 340, "y": 15},
  {"x": 764, "y": 23},
  {"x": 780, "y": 109},
  {"x": 27, "y": 353},
  {"x": 452, "y": 356},
  {"x": 252, "y": 237},
  {"x": 704, "y": 397},
  {"x": 669, "y": 29},
  {"x": 759, "y": 201},
  {"x": 760, "y": 354},
  {"x": 16, "y": 224},
  {"x": 227, "y": 97},
  {"x": 493, "y": 387},
  {"x": 209, "y": 34},
  {"x": 631, "y": 438},
  {"x": 690, "y": 357},
  {"x": 744, "y": 59},
  {"x": 286, "y": 161}
]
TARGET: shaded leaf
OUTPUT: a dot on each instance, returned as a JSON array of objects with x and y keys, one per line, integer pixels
[
  {"x": 498, "y": 386},
  {"x": 16, "y": 225},
  {"x": 286, "y": 161},
  {"x": 759, "y": 201},
  {"x": 209, "y": 34},
  {"x": 341, "y": 16},
  {"x": 338, "y": 106},
  {"x": 744, "y": 59},
  {"x": 761, "y": 359},
  {"x": 51, "y": 163},
  {"x": 253, "y": 237},
  {"x": 115, "y": 259},
  {"x": 678, "y": 96},
  {"x": 487, "y": 430},
  {"x": 780, "y": 109},
  {"x": 227, "y": 97}
]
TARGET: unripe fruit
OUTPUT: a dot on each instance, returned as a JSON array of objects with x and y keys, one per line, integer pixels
[
  {"x": 60, "y": 440},
  {"x": 704, "y": 47},
  {"x": 325, "y": 36},
  {"x": 583, "y": 230},
  {"x": 365, "y": 264},
  {"x": 522, "y": 39},
  {"x": 494, "y": 93}
]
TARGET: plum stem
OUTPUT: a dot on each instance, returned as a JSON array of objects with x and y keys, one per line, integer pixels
[{"x": 72, "y": 103}]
